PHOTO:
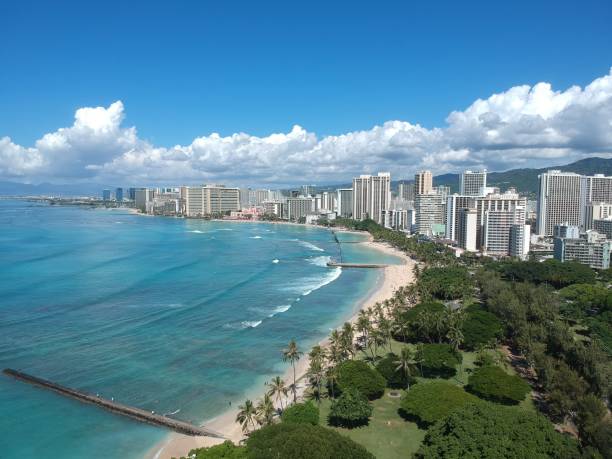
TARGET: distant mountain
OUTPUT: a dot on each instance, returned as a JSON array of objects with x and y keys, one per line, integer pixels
[{"x": 526, "y": 180}]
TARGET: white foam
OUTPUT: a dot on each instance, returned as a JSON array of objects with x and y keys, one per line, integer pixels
[
  {"x": 320, "y": 261},
  {"x": 311, "y": 246},
  {"x": 310, "y": 284},
  {"x": 196, "y": 231},
  {"x": 255, "y": 237},
  {"x": 278, "y": 310},
  {"x": 250, "y": 323},
  {"x": 275, "y": 260}
]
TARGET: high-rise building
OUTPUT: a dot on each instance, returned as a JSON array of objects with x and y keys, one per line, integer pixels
[
  {"x": 471, "y": 182},
  {"x": 603, "y": 226},
  {"x": 430, "y": 213},
  {"x": 345, "y": 202},
  {"x": 132, "y": 194},
  {"x": 106, "y": 195},
  {"x": 566, "y": 230},
  {"x": 508, "y": 201},
  {"x": 328, "y": 201},
  {"x": 596, "y": 211},
  {"x": 142, "y": 198},
  {"x": 466, "y": 229},
  {"x": 406, "y": 191},
  {"x": 591, "y": 249},
  {"x": 299, "y": 207},
  {"x": 396, "y": 219},
  {"x": 119, "y": 194},
  {"x": 307, "y": 190},
  {"x": 274, "y": 208},
  {"x": 206, "y": 200},
  {"x": 454, "y": 204},
  {"x": 245, "y": 197},
  {"x": 559, "y": 200},
  {"x": 498, "y": 224},
  {"x": 423, "y": 183},
  {"x": 371, "y": 195},
  {"x": 520, "y": 236}
]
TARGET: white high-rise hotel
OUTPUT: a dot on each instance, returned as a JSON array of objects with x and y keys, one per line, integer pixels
[
  {"x": 471, "y": 182},
  {"x": 564, "y": 197},
  {"x": 371, "y": 195}
]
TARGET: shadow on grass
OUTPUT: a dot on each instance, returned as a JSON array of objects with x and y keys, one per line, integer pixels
[{"x": 412, "y": 418}]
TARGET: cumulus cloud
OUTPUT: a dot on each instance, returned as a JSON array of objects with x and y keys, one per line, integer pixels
[{"x": 524, "y": 126}]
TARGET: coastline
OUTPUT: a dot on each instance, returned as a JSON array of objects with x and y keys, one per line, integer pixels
[{"x": 391, "y": 278}]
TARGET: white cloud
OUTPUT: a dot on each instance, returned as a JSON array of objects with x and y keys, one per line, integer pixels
[{"x": 521, "y": 127}]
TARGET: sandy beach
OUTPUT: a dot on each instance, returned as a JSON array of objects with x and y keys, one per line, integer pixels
[{"x": 392, "y": 277}]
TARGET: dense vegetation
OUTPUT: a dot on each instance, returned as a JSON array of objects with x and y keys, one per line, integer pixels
[
  {"x": 387, "y": 367},
  {"x": 302, "y": 413},
  {"x": 302, "y": 441},
  {"x": 503, "y": 329},
  {"x": 494, "y": 384},
  {"x": 438, "y": 360},
  {"x": 486, "y": 431},
  {"x": 351, "y": 409},
  {"x": 480, "y": 328},
  {"x": 358, "y": 375},
  {"x": 429, "y": 402}
]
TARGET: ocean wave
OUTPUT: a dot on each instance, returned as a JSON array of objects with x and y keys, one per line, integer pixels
[
  {"x": 311, "y": 246},
  {"x": 320, "y": 261},
  {"x": 310, "y": 284},
  {"x": 254, "y": 237},
  {"x": 278, "y": 310},
  {"x": 275, "y": 260},
  {"x": 243, "y": 325},
  {"x": 195, "y": 231}
]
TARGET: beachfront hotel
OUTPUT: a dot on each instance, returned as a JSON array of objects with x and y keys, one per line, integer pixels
[
  {"x": 206, "y": 200},
  {"x": 371, "y": 195}
]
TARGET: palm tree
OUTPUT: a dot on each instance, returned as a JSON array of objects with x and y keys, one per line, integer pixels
[
  {"x": 347, "y": 337},
  {"x": 406, "y": 364},
  {"x": 363, "y": 327},
  {"x": 292, "y": 354},
  {"x": 246, "y": 415},
  {"x": 331, "y": 376},
  {"x": 386, "y": 330},
  {"x": 316, "y": 369},
  {"x": 278, "y": 390},
  {"x": 265, "y": 411}
]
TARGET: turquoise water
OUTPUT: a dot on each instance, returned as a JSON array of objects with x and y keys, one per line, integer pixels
[{"x": 171, "y": 315}]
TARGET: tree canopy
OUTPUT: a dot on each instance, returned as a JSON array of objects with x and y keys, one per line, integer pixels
[
  {"x": 351, "y": 409},
  {"x": 302, "y": 413},
  {"x": 438, "y": 360},
  {"x": 357, "y": 374},
  {"x": 447, "y": 283},
  {"x": 485, "y": 430},
  {"x": 494, "y": 384},
  {"x": 388, "y": 368},
  {"x": 302, "y": 441},
  {"x": 480, "y": 327},
  {"x": 429, "y": 402}
]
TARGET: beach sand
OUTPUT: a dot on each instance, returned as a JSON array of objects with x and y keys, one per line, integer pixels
[{"x": 392, "y": 277}]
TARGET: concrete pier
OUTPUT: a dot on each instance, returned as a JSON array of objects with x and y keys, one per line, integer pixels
[
  {"x": 333, "y": 264},
  {"x": 114, "y": 407}
]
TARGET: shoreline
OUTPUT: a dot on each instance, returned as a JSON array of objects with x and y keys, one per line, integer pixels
[{"x": 391, "y": 278}]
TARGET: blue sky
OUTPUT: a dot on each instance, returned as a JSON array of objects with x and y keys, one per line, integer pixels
[{"x": 187, "y": 69}]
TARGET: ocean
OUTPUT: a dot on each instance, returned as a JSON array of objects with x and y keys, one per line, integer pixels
[{"x": 176, "y": 316}]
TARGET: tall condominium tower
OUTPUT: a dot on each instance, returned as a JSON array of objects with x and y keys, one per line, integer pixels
[
  {"x": 345, "y": 202},
  {"x": 206, "y": 200},
  {"x": 559, "y": 200},
  {"x": 472, "y": 181},
  {"x": 430, "y": 210},
  {"x": 371, "y": 195},
  {"x": 406, "y": 191},
  {"x": 496, "y": 202},
  {"x": 423, "y": 183}
]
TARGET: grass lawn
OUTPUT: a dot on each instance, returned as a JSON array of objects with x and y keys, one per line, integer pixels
[{"x": 387, "y": 436}]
